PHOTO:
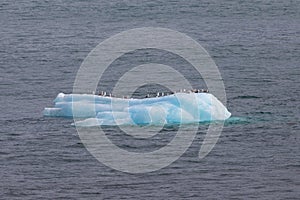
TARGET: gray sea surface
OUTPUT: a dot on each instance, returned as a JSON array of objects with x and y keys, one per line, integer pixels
[{"x": 255, "y": 44}]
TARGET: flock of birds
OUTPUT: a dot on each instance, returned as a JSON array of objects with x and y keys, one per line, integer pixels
[{"x": 158, "y": 94}]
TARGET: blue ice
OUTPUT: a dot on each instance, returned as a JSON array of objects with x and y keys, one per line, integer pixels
[{"x": 178, "y": 108}]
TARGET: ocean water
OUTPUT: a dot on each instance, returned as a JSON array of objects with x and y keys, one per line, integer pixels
[{"x": 256, "y": 46}]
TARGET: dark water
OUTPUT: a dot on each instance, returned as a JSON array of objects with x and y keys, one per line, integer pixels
[{"x": 256, "y": 46}]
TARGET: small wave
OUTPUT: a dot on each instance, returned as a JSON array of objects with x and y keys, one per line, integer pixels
[{"x": 246, "y": 97}]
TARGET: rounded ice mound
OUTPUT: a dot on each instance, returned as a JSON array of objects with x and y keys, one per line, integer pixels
[{"x": 179, "y": 108}]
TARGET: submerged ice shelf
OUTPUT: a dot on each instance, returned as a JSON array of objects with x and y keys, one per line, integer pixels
[{"x": 179, "y": 108}]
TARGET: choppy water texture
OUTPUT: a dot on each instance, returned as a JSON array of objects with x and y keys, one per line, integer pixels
[{"x": 256, "y": 47}]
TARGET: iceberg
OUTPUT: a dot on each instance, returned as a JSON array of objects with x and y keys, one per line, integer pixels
[{"x": 178, "y": 108}]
